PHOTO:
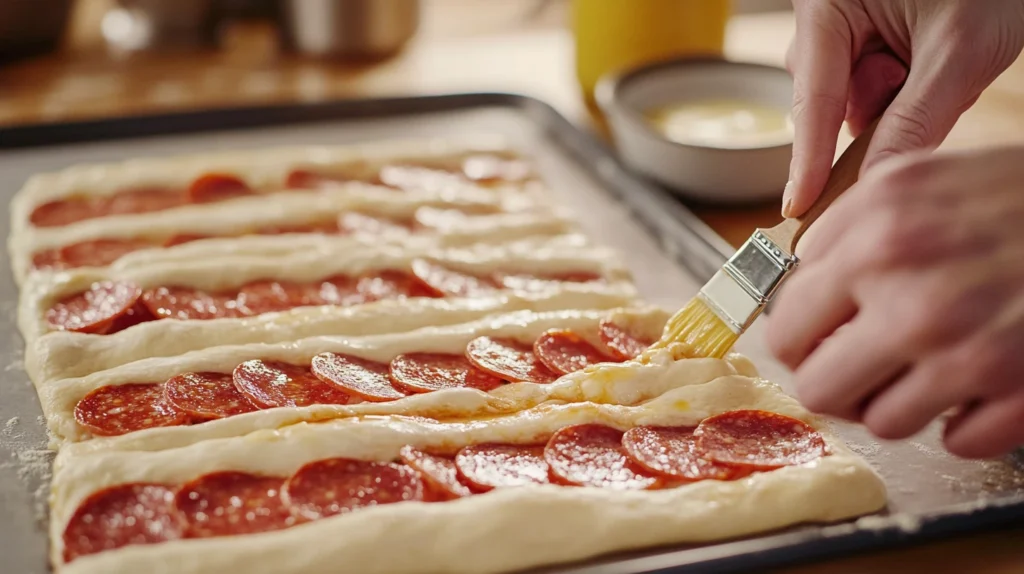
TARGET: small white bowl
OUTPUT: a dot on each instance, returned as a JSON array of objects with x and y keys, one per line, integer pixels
[{"x": 723, "y": 174}]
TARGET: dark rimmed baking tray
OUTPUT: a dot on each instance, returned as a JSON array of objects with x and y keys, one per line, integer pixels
[{"x": 931, "y": 494}]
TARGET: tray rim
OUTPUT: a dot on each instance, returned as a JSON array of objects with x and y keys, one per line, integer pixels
[{"x": 689, "y": 240}]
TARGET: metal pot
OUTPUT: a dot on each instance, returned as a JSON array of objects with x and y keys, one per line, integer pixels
[{"x": 349, "y": 28}]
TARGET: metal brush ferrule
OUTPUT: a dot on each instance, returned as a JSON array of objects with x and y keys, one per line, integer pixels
[{"x": 739, "y": 292}]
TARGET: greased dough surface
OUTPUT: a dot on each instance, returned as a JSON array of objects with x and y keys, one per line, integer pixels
[
  {"x": 627, "y": 383},
  {"x": 504, "y": 530}
]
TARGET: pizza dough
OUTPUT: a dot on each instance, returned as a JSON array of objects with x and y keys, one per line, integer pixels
[
  {"x": 502, "y": 530},
  {"x": 283, "y": 360}
]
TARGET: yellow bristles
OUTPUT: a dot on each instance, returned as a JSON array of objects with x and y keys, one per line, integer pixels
[{"x": 697, "y": 331}]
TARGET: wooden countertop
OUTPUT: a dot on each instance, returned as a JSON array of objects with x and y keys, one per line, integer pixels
[{"x": 499, "y": 46}]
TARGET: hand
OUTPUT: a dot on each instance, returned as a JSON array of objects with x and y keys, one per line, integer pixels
[
  {"x": 909, "y": 301},
  {"x": 850, "y": 58}
]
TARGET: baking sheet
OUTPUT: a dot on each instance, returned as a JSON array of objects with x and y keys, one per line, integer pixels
[{"x": 668, "y": 250}]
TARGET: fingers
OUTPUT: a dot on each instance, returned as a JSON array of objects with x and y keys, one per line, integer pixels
[
  {"x": 934, "y": 96},
  {"x": 849, "y": 367},
  {"x": 821, "y": 61},
  {"x": 876, "y": 80},
  {"x": 988, "y": 429}
]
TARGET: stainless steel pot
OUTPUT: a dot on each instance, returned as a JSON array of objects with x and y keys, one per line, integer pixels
[{"x": 349, "y": 28}]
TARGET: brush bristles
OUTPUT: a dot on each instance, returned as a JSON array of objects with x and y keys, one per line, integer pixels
[{"x": 698, "y": 330}]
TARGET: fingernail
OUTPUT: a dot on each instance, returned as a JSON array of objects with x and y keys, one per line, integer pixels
[{"x": 787, "y": 201}]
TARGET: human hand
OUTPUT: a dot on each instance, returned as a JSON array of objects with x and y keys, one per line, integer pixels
[
  {"x": 909, "y": 301},
  {"x": 850, "y": 59}
]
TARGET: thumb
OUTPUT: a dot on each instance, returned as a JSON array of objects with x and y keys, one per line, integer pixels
[{"x": 936, "y": 93}]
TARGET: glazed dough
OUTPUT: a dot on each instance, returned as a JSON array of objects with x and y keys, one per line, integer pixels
[
  {"x": 333, "y": 255},
  {"x": 615, "y": 383},
  {"x": 61, "y": 354},
  {"x": 504, "y": 530}
]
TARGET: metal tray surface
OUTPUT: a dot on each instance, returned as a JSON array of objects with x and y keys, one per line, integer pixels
[{"x": 668, "y": 249}]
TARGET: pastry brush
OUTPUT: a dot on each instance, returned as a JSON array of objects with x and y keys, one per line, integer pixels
[{"x": 738, "y": 293}]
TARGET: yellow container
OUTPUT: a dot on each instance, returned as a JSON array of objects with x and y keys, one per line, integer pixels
[{"x": 616, "y": 34}]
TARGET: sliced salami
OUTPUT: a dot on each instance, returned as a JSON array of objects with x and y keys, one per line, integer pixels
[
  {"x": 207, "y": 395},
  {"x": 541, "y": 283},
  {"x": 338, "y": 485},
  {"x": 185, "y": 303},
  {"x": 428, "y": 372},
  {"x": 64, "y": 212},
  {"x": 120, "y": 409},
  {"x": 489, "y": 466},
  {"x": 229, "y": 503},
  {"x": 620, "y": 343},
  {"x": 592, "y": 455},
  {"x": 439, "y": 474},
  {"x": 95, "y": 310},
  {"x": 446, "y": 282},
  {"x": 391, "y": 284},
  {"x": 363, "y": 378},
  {"x": 759, "y": 440},
  {"x": 122, "y": 515},
  {"x": 138, "y": 313},
  {"x": 566, "y": 352},
  {"x": 217, "y": 187},
  {"x": 672, "y": 452},
  {"x": 100, "y": 252},
  {"x": 183, "y": 238},
  {"x": 142, "y": 200},
  {"x": 270, "y": 384},
  {"x": 508, "y": 359}
]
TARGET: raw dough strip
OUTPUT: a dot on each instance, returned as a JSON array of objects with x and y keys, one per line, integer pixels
[
  {"x": 328, "y": 379},
  {"x": 262, "y": 170},
  {"x": 622, "y": 383},
  {"x": 442, "y": 226},
  {"x": 231, "y": 503},
  {"x": 542, "y": 256},
  {"x": 63, "y": 354},
  {"x": 435, "y": 537}
]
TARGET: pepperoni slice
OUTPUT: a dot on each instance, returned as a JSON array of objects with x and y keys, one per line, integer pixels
[
  {"x": 270, "y": 384},
  {"x": 227, "y": 503},
  {"x": 540, "y": 283},
  {"x": 487, "y": 168},
  {"x": 185, "y": 303},
  {"x": 337, "y": 485},
  {"x": 391, "y": 284},
  {"x": 214, "y": 187},
  {"x": 207, "y": 395},
  {"x": 327, "y": 227},
  {"x": 566, "y": 352},
  {"x": 489, "y": 466},
  {"x": 415, "y": 177},
  {"x": 48, "y": 259},
  {"x": 100, "y": 252},
  {"x": 592, "y": 455},
  {"x": 139, "y": 313},
  {"x": 427, "y": 372},
  {"x": 120, "y": 409},
  {"x": 137, "y": 513},
  {"x": 95, "y": 310},
  {"x": 306, "y": 179},
  {"x": 64, "y": 212},
  {"x": 340, "y": 290},
  {"x": 439, "y": 474},
  {"x": 508, "y": 359},
  {"x": 672, "y": 452},
  {"x": 366, "y": 379},
  {"x": 183, "y": 238},
  {"x": 443, "y": 281},
  {"x": 355, "y": 222},
  {"x": 142, "y": 200},
  {"x": 302, "y": 179},
  {"x": 621, "y": 343},
  {"x": 270, "y": 296},
  {"x": 759, "y": 440}
]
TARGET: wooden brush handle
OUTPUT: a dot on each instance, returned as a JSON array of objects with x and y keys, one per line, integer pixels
[{"x": 844, "y": 174}]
